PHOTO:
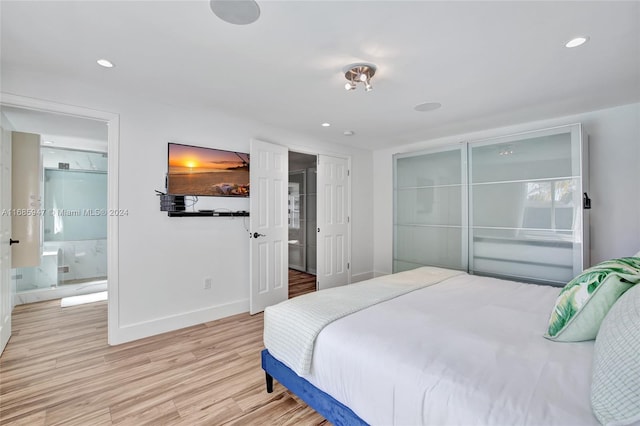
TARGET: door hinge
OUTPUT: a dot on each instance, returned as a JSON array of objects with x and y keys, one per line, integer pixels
[
  {"x": 348, "y": 172},
  {"x": 348, "y": 265},
  {"x": 348, "y": 219}
]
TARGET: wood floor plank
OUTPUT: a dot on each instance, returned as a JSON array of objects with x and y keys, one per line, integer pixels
[
  {"x": 211, "y": 414},
  {"x": 282, "y": 406},
  {"x": 98, "y": 417},
  {"x": 300, "y": 283},
  {"x": 36, "y": 419},
  {"x": 58, "y": 370}
]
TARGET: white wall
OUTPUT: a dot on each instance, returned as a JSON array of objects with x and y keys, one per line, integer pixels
[
  {"x": 162, "y": 260},
  {"x": 614, "y": 143}
]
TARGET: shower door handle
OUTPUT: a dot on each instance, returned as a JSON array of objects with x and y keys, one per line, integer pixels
[{"x": 12, "y": 241}]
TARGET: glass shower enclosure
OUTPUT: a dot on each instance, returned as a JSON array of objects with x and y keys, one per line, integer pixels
[{"x": 74, "y": 224}]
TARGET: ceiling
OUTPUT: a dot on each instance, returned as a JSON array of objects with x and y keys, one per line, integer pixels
[
  {"x": 489, "y": 64},
  {"x": 59, "y": 130}
]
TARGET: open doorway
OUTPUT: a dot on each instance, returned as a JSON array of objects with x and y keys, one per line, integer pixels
[
  {"x": 112, "y": 122},
  {"x": 302, "y": 220},
  {"x": 71, "y": 259}
]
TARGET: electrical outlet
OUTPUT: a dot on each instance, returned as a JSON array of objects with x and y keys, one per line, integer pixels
[{"x": 207, "y": 283}]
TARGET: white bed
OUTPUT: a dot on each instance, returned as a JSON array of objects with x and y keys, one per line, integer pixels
[{"x": 468, "y": 350}]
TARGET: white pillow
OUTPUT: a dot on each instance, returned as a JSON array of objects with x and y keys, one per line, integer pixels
[
  {"x": 615, "y": 396},
  {"x": 637, "y": 254}
]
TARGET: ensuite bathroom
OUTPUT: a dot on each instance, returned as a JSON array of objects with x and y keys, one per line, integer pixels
[{"x": 71, "y": 212}]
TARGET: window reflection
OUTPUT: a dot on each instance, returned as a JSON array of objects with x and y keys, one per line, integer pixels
[{"x": 549, "y": 205}]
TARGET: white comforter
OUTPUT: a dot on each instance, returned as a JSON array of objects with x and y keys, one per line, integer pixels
[
  {"x": 291, "y": 327},
  {"x": 467, "y": 351}
]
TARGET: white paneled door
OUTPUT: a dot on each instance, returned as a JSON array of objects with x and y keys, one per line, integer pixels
[
  {"x": 5, "y": 236},
  {"x": 269, "y": 172},
  {"x": 333, "y": 222}
]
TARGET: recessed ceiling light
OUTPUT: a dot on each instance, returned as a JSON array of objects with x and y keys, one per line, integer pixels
[
  {"x": 105, "y": 63},
  {"x": 239, "y": 12},
  {"x": 326, "y": 124},
  {"x": 349, "y": 133},
  {"x": 48, "y": 142},
  {"x": 578, "y": 41},
  {"x": 427, "y": 106}
]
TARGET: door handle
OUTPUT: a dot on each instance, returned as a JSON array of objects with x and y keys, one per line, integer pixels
[
  {"x": 12, "y": 241},
  {"x": 256, "y": 235}
]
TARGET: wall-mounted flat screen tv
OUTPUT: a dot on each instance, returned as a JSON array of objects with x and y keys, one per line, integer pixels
[{"x": 200, "y": 171}]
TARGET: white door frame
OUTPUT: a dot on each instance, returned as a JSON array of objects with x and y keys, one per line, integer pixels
[
  {"x": 6, "y": 291},
  {"x": 113, "y": 142}
]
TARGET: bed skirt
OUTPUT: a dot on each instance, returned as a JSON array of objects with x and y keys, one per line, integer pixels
[{"x": 333, "y": 410}]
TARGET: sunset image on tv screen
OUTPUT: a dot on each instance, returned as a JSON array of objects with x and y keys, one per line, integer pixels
[{"x": 206, "y": 171}]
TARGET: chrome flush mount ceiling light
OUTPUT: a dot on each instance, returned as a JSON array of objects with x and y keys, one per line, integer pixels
[
  {"x": 238, "y": 12},
  {"x": 359, "y": 73}
]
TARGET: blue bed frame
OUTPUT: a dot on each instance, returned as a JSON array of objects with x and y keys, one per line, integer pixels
[{"x": 333, "y": 410}]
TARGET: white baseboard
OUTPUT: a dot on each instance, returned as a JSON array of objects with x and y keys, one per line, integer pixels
[
  {"x": 361, "y": 277},
  {"x": 128, "y": 333}
]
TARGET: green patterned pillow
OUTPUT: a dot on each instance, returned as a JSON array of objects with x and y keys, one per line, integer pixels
[
  {"x": 585, "y": 300},
  {"x": 615, "y": 388}
]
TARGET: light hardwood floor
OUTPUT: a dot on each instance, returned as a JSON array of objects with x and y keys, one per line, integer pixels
[{"x": 58, "y": 370}]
